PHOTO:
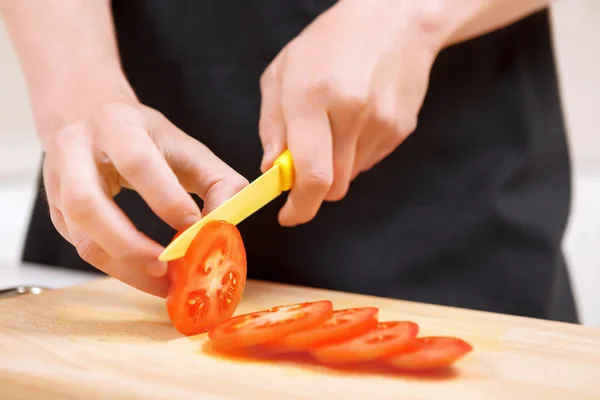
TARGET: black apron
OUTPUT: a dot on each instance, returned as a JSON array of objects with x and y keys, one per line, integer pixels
[{"x": 470, "y": 211}]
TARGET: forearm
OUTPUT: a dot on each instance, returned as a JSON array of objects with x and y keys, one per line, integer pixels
[
  {"x": 471, "y": 18},
  {"x": 68, "y": 54}
]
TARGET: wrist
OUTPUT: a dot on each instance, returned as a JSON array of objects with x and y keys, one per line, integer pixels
[
  {"x": 442, "y": 20},
  {"x": 433, "y": 23},
  {"x": 68, "y": 95},
  {"x": 454, "y": 21}
]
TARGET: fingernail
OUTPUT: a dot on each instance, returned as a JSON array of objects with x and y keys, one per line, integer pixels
[{"x": 157, "y": 269}]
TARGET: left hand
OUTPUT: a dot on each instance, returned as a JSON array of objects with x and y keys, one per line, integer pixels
[{"x": 345, "y": 93}]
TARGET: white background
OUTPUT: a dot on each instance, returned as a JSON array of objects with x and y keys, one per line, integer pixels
[{"x": 577, "y": 39}]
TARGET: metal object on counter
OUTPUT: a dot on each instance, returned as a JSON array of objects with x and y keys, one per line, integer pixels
[{"x": 21, "y": 290}]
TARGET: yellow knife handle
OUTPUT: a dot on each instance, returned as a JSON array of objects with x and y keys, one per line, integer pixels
[{"x": 286, "y": 170}]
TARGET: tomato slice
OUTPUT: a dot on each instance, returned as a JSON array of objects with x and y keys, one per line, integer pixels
[
  {"x": 386, "y": 338},
  {"x": 429, "y": 353},
  {"x": 343, "y": 325},
  {"x": 206, "y": 285},
  {"x": 269, "y": 325}
]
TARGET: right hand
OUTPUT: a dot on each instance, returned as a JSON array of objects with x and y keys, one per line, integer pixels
[{"x": 126, "y": 144}]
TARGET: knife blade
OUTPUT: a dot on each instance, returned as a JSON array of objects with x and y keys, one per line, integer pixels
[{"x": 261, "y": 191}]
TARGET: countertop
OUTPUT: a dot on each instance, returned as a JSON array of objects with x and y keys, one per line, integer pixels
[{"x": 105, "y": 340}]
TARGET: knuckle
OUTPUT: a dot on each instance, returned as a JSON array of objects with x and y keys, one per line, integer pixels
[
  {"x": 105, "y": 114},
  {"x": 233, "y": 183},
  {"x": 115, "y": 110},
  {"x": 64, "y": 138},
  {"x": 87, "y": 250},
  {"x": 113, "y": 115},
  {"x": 405, "y": 125},
  {"x": 339, "y": 193},
  {"x": 239, "y": 182},
  {"x": 399, "y": 124},
  {"x": 386, "y": 118},
  {"x": 355, "y": 101},
  {"x": 229, "y": 183},
  {"x": 109, "y": 109},
  {"x": 319, "y": 180},
  {"x": 172, "y": 208},
  {"x": 78, "y": 204},
  {"x": 55, "y": 214},
  {"x": 353, "y": 94},
  {"x": 319, "y": 88},
  {"x": 268, "y": 78},
  {"x": 135, "y": 163}
]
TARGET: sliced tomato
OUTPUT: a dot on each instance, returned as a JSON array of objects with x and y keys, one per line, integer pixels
[
  {"x": 386, "y": 338},
  {"x": 206, "y": 285},
  {"x": 343, "y": 325},
  {"x": 269, "y": 325},
  {"x": 429, "y": 353}
]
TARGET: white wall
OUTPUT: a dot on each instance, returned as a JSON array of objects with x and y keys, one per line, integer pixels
[
  {"x": 19, "y": 147},
  {"x": 19, "y": 154},
  {"x": 577, "y": 28},
  {"x": 577, "y": 37}
]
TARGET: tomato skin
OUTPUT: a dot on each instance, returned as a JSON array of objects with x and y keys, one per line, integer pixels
[
  {"x": 266, "y": 326},
  {"x": 430, "y": 353},
  {"x": 343, "y": 325},
  {"x": 386, "y": 338},
  {"x": 206, "y": 285}
]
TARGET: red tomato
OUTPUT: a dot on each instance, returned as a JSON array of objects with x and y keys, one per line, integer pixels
[
  {"x": 385, "y": 339},
  {"x": 206, "y": 284},
  {"x": 429, "y": 353},
  {"x": 269, "y": 325},
  {"x": 343, "y": 325}
]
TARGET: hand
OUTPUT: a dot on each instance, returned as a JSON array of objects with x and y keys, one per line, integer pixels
[
  {"x": 344, "y": 94},
  {"x": 126, "y": 144}
]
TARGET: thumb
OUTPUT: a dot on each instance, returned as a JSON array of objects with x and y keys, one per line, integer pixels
[{"x": 271, "y": 126}]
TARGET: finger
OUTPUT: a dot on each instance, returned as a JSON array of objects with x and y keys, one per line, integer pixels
[
  {"x": 126, "y": 142},
  {"x": 84, "y": 203},
  {"x": 271, "y": 125},
  {"x": 198, "y": 169},
  {"x": 364, "y": 153},
  {"x": 378, "y": 155},
  {"x": 391, "y": 134},
  {"x": 58, "y": 221},
  {"x": 344, "y": 150},
  {"x": 373, "y": 133},
  {"x": 128, "y": 271},
  {"x": 52, "y": 189},
  {"x": 310, "y": 143}
]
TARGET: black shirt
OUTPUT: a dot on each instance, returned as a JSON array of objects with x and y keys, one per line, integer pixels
[{"x": 470, "y": 211}]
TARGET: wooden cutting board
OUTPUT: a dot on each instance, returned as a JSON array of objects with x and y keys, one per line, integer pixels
[{"x": 105, "y": 340}]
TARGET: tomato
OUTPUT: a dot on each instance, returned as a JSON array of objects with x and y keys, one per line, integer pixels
[
  {"x": 269, "y": 325},
  {"x": 386, "y": 338},
  {"x": 343, "y": 325},
  {"x": 206, "y": 285},
  {"x": 428, "y": 353}
]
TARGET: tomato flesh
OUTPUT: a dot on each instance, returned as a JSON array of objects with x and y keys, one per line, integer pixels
[
  {"x": 269, "y": 325},
  {"x": 429, "y": 353},
  {"x": 206, "y": 285},
  {"x": 343, "y": 325},
  {"x": 385, "y": 338}
]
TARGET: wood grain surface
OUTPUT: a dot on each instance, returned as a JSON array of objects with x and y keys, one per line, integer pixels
[{"x": 105, "y": 340}]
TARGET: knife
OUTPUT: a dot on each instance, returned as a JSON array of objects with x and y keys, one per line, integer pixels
[{"x": 261, "y": 191}]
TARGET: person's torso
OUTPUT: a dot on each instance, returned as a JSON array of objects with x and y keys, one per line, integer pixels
[{"x": 469, "y": 211}]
